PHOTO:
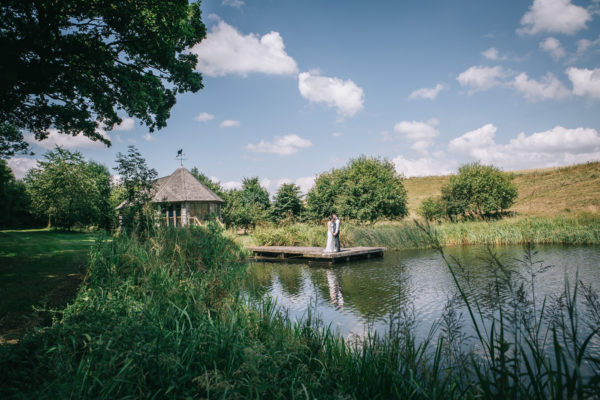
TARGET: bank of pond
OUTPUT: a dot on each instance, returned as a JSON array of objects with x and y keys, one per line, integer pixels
[{"x": 180, "y": 313}]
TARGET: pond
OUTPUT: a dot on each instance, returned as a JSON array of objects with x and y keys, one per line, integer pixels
[{"x": 363, "y": 296}]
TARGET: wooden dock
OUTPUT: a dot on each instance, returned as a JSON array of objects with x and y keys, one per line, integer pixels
[{"x": 314, "y": 254}]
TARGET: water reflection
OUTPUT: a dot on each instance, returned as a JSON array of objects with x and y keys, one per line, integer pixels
[{"x": 353, "y": 298}]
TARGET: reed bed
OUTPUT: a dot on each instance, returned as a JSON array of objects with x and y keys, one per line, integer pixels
[
  {"x": 164, "y": 317},
  {"x": 577, "y": 229}
]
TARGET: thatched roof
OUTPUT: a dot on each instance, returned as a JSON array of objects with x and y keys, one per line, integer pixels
[{"x": 181, "y": 185}]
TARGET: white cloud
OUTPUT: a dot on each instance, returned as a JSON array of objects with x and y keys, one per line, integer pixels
[
  {"x": 226, "y": 51},
  {"x": 148, "y": 137},
  {"x": 586, "y": 82},
  {"x": 305, "y": 183},
  {"x": 493, "y": 54},
  {"x": 481, "y": 78},
  {"x": 126, "y": 125},
  {"x": 427, "y": 93},
  {"x": 548, "y": 88},
  {"x": 346, "y": 96},
  {"x": 555, "y": 147},
  {"x": 284, "y": 146},
  {"x": 421, "y": 134},
  {"x": 337, "y": 134},
  {"x": 229, "y": 185},
  {"x": 553, "y": 47},
  {"x": 425, "y": 166},
  {"x": 67, "y": 141},
  {"x": 20, "y": 165},
  {"x": 203, "y": 117},
  {"x": 554, "y": 16},
  {"x": 229, "y": 123},
  {"x": 233, "y": 3}
]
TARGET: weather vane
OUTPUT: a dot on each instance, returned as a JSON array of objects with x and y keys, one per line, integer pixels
[{"x": 180, "y": 156}]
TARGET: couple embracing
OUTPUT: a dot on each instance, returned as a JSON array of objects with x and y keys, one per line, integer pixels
[{"x": 333, "y": 234}]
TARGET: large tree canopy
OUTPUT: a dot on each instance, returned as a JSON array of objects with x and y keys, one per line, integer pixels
[
  {"x": 367, "y": 189},
  {"x": 74, "y": 65}
]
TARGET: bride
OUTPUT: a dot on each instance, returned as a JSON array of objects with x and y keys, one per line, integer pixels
[{"x": 330, "y": 247}]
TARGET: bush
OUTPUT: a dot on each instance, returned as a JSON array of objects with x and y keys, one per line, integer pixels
[
  {"x": 432, "y": 208},
  {"x": 367, "y": 189},
  {"x": 478, "y": 190}
]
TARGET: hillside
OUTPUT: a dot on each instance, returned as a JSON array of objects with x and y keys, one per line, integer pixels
[{"x": 541, "y": 191}]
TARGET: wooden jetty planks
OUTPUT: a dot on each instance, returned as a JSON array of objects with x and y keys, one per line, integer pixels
[{"x": 316, "y": 254}]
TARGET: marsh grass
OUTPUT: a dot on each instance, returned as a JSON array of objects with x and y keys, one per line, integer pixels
[
  {"x": 580, "y": 229},
  {"x": 164, "y": 317}
]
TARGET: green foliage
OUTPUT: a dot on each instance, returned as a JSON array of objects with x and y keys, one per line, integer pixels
[
  {"x": 214, "y": 186},
  {"x": 66, "y": 190},
  {"x": 73, "y": 64},
  {"x": 478, "y": 190},
  {"x": 432, "y": 208},
  {"x": 246, "y": 207},
  {"x": 288, "y": 202},
  {"x": 367, "y": 189},
  {"x": 11, "y": 141},
  {"x": 136, "y": 184},
  {"x": 14, "y": 200}
]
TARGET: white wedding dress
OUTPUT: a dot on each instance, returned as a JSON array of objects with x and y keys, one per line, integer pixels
[{"x": 330, "y": 247}]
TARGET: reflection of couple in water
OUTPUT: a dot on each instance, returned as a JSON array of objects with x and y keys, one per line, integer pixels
[{"x": 333, "y": 234}]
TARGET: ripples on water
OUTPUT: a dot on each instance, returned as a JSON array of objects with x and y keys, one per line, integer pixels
[{"x": 363, "y": 296}]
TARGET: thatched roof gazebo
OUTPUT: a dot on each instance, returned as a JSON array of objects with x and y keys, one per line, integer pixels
[{"x": 182, "y": 199}]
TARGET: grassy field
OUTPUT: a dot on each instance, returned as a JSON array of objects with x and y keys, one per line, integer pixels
[
  {"x": 546, "y": 191},
  {"x": 38, "y": 267}
]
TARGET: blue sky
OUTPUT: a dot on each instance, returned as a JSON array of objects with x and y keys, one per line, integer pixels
[{"x": 295, "y": 88}]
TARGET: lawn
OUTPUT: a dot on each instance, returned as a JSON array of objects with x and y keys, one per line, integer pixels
[{"x": 38, "y": 268}]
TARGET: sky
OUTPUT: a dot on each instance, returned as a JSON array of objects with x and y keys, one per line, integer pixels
[{"x": 295, "y": 88}]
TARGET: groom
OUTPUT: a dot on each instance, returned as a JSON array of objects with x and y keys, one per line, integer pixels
[{"x": 336, "y": 232}]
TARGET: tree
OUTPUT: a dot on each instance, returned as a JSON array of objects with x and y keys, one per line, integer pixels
[
  {"x": 100, "y": 175},
  {"x": 478, "y": 190},
  {"x": 366, "y": 189},
  {"x": 11, "y": 141},
  {"x": 432, "y": 208},
  {"x": 73, "y": 64},
  {"x": 63, "y": 189},
  {"x": 14, "y": 200},
  {"x": 137, "y": 182},
  {"x": 247, "y": 206},
  {"x": 288, "y": 202},
  {"x": 214, "y": 186}
]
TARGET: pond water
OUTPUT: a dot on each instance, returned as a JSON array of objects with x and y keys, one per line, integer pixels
[{"x": 363, "y": 296}]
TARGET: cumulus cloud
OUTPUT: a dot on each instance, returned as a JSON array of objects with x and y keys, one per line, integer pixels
[
  {"x": 586, "y": 82},
  {"x": 20, "y": 165},
  {"x": 226, "y": 51},
  {"x": 126, "y": 125},
  {"x": 230, "y": 185},
  {"x": 346, "y": 96},
  {"x": 421, "y": 134},
  {"x": 203, "y": 117},
  {"x": 229, "y": 123},
  {"x": 549, "y": 87},
  {"x": 284, "y": 146},
  {"x": 555, "y": 147},
  {"x": 425, "y": 166},
  {"x": 481, "y": 78},
  {"x": 554, "y": 16},
  {"x": 305, "y": 183},
  {"x": 427, "y": 93},
  {"x": 553, "y": 47},
  {"x": 67, "y": 141},
  {"x": 493, "y": 54}
]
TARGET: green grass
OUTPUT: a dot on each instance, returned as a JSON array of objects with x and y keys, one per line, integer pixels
[
  {"x": 164, "y": 317},
  {"x": 581, "y": 228},
  {"x": 545, "y": 191},
  {"x": 38, "y": 267}
]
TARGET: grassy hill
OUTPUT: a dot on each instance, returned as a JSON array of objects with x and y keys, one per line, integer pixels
[{"x": 541, "y": 191}]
